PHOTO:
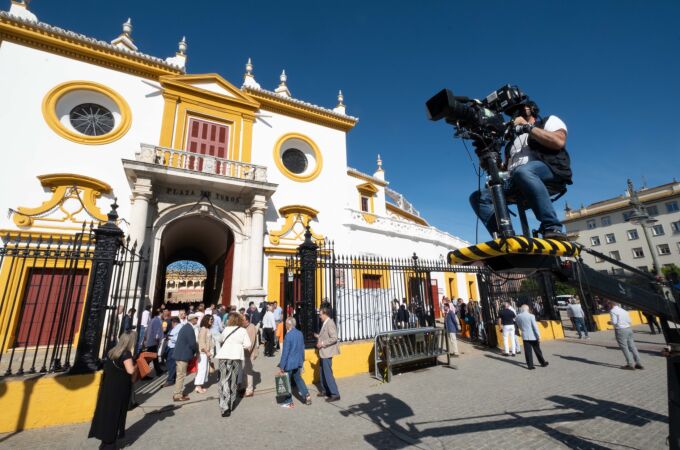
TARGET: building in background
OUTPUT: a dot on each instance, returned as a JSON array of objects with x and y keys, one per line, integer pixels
[
  {"x": 203, "y": 170},
  {"x": 604, "y": 226}
]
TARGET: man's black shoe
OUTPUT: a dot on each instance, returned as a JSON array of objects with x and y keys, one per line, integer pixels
[
  {"x": 226, "y": 413},
  {"x": 531, "y": 368},
  {"x": 545, "y": 364},
  {"x": 554, "y": 234},
  {"x": 333, "y": 398}
]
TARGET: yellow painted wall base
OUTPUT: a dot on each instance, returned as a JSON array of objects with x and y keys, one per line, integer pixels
[
  {"x": 354, "y": 358},
  {"x": 550, "y": 330},
  {"x": 47, "y": 401},
  {"x": 636, "y": 318}
]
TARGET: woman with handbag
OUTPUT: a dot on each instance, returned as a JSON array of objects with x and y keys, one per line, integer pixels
[
  {"x": 235, "y": 341},
  {"x": 205, "y": 345},
  {"x": 120, "y": 371}
]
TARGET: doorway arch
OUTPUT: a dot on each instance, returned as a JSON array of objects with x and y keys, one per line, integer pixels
[{"x": 202, "y": 238}]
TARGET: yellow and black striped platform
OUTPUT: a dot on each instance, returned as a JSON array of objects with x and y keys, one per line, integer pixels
[{"x": 513, "y": 245}]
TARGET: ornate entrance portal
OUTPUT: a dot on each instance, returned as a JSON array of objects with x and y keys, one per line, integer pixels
[{"x": 209, "y": 242}]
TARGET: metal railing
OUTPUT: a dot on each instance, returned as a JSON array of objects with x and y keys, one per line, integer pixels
[
  {"x": 41, "y": 300},
  {"x": 196, "y": 162},
  {"x": 370, "y": 295},
  {"x": 396, "y": 348},
  {"x": 63, "y": 298}
]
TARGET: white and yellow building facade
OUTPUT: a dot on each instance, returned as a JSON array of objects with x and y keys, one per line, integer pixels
[{"x": 202, "y": 168}]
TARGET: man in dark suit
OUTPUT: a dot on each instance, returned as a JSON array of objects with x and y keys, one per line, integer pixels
[
  {"x": 185, "y": 350},
  {"x": 127, "y": 322},
  {"x": 292, "y": 359}
]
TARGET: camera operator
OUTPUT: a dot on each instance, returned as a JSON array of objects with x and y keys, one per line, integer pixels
[{"x": 536, "y": 157}]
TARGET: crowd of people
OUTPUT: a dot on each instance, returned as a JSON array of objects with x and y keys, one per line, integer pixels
[
  {"x": 226, "y": 341},
  {"x": 209, "y": 340}
]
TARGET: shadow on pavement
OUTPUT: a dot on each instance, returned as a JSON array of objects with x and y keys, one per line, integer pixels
[
  {"x": 384, "y": 410},
  {"x": 587, "y": 361},
  {"x": 508, "y": 359},
  {"x": 143, "y": 425}
]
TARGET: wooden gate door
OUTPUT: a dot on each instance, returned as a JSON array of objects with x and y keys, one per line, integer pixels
[{"x": 47, "y": 294}]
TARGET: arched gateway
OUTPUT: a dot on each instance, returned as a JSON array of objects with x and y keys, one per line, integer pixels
[{"x": 196, "y": 213}]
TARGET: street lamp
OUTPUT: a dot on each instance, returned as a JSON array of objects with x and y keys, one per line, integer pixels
[{"x": 640, "y": 217}]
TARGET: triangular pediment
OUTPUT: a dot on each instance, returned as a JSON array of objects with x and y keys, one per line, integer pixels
[
  {"x": 367, "y": 189},
  {"x": 210, "y": 86}
]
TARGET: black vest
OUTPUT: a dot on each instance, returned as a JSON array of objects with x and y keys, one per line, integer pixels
[{"x": 558, "y": 160}]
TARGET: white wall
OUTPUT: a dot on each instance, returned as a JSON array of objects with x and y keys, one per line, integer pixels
[
  {"x": 31, "y": 148},
  {"x": 325, "y": 193}
]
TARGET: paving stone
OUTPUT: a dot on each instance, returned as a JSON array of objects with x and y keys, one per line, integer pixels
[{"x": 582, "y": 400}]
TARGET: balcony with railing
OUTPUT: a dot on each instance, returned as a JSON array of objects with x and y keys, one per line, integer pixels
[{"x": 204, "y": 164}]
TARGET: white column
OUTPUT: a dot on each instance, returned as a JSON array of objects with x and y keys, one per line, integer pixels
[
  {"x": 244, "y": 273},
  {"x": 141, "y": 194},
  {"x": 257, "y": 241}
]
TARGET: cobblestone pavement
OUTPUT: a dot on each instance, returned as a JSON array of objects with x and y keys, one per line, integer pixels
[{"x": 582, "y": 400}]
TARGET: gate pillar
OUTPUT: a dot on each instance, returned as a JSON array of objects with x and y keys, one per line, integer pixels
[
  {"x": 108, "y": 239},
  {"x": 308, "y": 261}
]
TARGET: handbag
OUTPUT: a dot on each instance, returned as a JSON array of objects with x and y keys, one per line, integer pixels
[
  {"x": 283, "y": 390},
  {"x": 192, "y": 367}
]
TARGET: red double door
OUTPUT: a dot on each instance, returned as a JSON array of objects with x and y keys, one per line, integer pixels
[
  {"x": 209, "y": 139},
  {"x": 52, "y": 305}
]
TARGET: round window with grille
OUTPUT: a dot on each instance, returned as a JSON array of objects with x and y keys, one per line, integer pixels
[
  {"x": 92, "y": 119},
  {"x": 294, "y": 160},
  {"x": 298, "y": 157}
]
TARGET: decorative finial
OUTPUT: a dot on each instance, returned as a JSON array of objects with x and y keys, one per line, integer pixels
[
  {"x": 113, "y": 214},
  {"x": 19, "y": 8},
  {"x": 283, "y": 89},
  {"x": 182, "y": 46},
  {"x": 127, "y": 27},
  {"x": 340, "y": 108},
  {"x": 248, "y": 77},
  {"x": 125, "y": 41},
  {"x": 379, "y": 172}
]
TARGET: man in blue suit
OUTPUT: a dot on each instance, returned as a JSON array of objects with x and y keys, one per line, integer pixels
[
  {"x": 292, "y": 359},
  {"x": 531, "y": 336}
]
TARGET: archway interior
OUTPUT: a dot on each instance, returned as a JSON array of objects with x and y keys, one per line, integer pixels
[
  {"x": 204, "y": 243},
  {"x": 184, "y": 283}
]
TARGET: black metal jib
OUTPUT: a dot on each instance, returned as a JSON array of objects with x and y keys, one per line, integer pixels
[
  {"x": 60, "y": 297},
  {"x": 372, "y": 294}
]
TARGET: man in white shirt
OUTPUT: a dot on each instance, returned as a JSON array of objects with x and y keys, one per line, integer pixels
[
  {"x": 620, "y": 320},
  {"x": 536, "y": 156},
  {"x": 575, "y": 312},
  {"x": 268, "y": 327},
  {"x": 146, "y": 316}
]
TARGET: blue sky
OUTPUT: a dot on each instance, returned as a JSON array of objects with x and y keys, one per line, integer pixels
[{"x": 609, "y": 69}]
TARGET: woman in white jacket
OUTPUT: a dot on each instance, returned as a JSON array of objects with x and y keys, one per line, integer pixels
[{"x": 231, "y": 354}]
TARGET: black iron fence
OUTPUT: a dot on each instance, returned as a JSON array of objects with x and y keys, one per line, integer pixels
[
  {"x": 62, "y": 298},
  {"x": 369, "y": 294}
]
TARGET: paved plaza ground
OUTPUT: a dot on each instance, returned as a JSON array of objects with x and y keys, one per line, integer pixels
[{"x": 582, "y": 400}]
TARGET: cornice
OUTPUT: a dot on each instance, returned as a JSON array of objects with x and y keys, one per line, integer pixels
[
  {"x": 53, "y": 39},
  {"x": 273, "y": 102}
]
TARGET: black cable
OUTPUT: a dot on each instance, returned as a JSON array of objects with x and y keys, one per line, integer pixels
[{"x": 478, "y": 172}]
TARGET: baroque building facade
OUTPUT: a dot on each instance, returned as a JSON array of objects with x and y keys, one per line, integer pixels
[{"x": 202, "y": 169}]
